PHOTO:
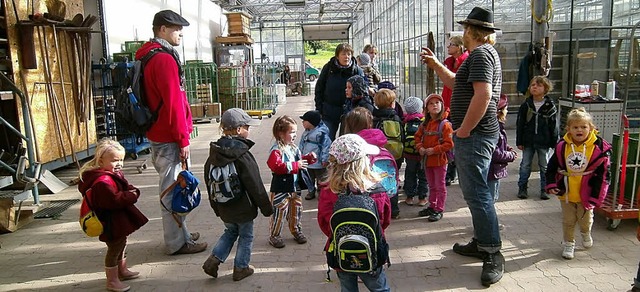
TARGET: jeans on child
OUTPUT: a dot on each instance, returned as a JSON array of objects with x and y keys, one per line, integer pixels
[
  {"x": 376, "y": 282},
  {"x": 494, "y": 187},
  {"x": 473, "y": 157},
  {"x": 415, "y": 182},
  {"x": 166, "y": 160},
  {"x": 525, "y": 165},
  {"x": 243, "y": 232}
]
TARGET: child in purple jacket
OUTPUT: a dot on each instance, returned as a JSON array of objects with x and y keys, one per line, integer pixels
[{"x": 502, "y": 155}]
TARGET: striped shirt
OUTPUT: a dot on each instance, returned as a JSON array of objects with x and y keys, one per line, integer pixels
[{"x": 482, "y": 65}]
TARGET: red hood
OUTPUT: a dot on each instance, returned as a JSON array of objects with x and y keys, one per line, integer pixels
[
  {"x": 373, "y": 137},
  {"x": 146, "y": 47},
  {"x": 409, "y": 117}
]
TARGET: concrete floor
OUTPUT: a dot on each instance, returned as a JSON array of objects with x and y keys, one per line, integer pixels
[{"x": 54, "y": 255}]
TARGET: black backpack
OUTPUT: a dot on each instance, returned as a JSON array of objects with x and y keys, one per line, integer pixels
[
  {"x": 410, "y": 129},
  {"x": 134, "y": 114},
  {"x": 357, "y": 244}
]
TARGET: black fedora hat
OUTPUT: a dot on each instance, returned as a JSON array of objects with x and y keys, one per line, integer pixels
[{"x": 480, "y": 17}]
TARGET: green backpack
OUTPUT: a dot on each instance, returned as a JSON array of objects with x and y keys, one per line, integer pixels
[{"x": 393, "y": 131}]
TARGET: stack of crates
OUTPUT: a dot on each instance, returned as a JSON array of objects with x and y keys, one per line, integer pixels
[
  {"x": 202, "y": 89},
  {"x": 228, "y": 87}
]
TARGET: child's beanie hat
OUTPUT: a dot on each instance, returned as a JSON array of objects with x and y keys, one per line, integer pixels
[
  {"x": 413, "y": 105},
  {"x": 312, "y": 117},
  {"x": 364, "y": 59}
]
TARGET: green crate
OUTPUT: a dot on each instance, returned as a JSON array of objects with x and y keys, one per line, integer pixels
[
  {"x": 227, "y": 80},
  {"x": 132, "y": 46},
  {"x": 629, "y": 190},
  {"x": 124, "y": 57}
]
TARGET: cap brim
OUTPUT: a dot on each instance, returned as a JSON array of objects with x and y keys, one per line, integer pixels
[
  {"x": 370, "y": 149},
  {"x": 253, "y": 122}
]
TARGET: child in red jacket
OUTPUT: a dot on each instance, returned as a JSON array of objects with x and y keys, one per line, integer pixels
[
  {"x": 433, "y": 140},
  {"x": 112, "y": 199},
  {"x": 287, "y": 165}
]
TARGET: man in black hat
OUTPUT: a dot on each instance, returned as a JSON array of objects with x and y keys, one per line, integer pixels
[
  {"x": 476, "y": 90},
  {"x": 169, "y": 136}
]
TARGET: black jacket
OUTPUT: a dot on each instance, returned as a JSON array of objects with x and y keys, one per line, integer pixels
[
  {"x": 330, "y": 95},
  {"x": 537, "y": 128},
  {"x": 236, "y": 149}
]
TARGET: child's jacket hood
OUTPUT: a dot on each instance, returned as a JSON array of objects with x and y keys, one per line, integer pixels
[
  {"x": 228, "y": 149},
  {"x": 373, "y": 137}
]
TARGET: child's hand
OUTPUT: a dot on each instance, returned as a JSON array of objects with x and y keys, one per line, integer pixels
[
  {"x": 515, "y": 154},
  {"x": 429, "y": 151},
  {"x": 553, "y": 191},
  {"x": 520, "y": 147},
  {"x": 325, "y": 164},
  {"x": 422, "y": 151},
  {"x": 302, "y": 164}
]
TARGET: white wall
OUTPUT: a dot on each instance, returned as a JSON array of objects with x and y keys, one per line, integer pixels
[{"x": 127, "y": 20}]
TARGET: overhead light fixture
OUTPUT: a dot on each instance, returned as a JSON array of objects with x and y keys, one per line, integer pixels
[{"x": 294, "y": 2}]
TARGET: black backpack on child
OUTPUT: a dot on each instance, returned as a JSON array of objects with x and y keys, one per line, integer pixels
[
  {"x": 357, "y": 244},
  {"x": 134, "y": 114}
]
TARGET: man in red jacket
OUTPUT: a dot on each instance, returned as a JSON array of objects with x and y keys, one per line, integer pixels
[{"x": 169, "y": 136}]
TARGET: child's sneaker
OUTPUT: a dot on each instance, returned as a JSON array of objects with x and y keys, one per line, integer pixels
[
  {"x": 435, "y": 216},
  {"x": 569, "y": 248},
  {"x": 310, "y": 196},
  {"x": 409, "y": 201},
  {"x": 587, "y": 240},
  {"x": 426, "y": 212},
  {"x": 300, "y": 238},
  {"x": 522, "y": 193},
  {"x": 423, "y": 202},
  {"x": 276, "y": 241}
]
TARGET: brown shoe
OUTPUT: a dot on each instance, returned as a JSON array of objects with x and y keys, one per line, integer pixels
[
  {"x": 276, "y": 241},
  {"x": 241, "y": 273},
  {"x": 210, "y": 266},
  {"x": 189, "y": 248},
  {"x": 195, "y": 236},
  {"x": 300, "y": 238},
  {"x": 310, "y": 196}
]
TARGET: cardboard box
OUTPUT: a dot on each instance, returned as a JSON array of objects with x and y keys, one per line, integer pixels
[{"x": 197, "y": 110}]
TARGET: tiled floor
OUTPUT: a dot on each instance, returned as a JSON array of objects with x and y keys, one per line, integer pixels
[{"x": 54, "y": 255}]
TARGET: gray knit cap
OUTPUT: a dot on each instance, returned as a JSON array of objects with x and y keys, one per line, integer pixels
[
  {"x": 358, "y": 85},
  {"x": 413, "y": 105},
  {"x": 365, "y": 60}
]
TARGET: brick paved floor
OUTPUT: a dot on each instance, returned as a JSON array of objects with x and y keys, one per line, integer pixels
[{"x": 53, "y": 255}]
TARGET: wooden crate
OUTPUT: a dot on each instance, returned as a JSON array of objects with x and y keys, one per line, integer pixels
[
  {"x": 233, "y": 40},
  {"x": 197, "y": 110},
  {"x": 212, "y": 109},
  {"x": 239, "y": 23}
]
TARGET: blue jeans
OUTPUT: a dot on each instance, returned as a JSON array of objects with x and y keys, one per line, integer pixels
[
  {"x": 473, "y": 157},
  {"x": 494, "y": 188},
  {"x": 243, "y": 232},
  {"x": 374, "y": 282},
  {"x": 525, "y": 166},
  {"x": 415, "y": 182},
  {"x": 166, "y": 160}
]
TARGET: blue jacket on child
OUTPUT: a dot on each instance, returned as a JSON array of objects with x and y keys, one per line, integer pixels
[{"x": 316, "y": 140}]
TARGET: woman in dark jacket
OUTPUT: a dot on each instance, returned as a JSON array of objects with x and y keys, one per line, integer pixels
[{"x": 330, "y": 87}]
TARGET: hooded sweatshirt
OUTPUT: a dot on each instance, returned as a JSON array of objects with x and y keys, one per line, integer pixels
[
  {"x": 162, "y": 82},
  {"x": 112, "y": 199},
  {"x": 236, "y": 149},
  {"x": 582, "y": 173}
]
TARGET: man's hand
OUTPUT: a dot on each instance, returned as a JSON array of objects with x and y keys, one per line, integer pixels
[
  {"x": 428, "y": 57},
  {"x": 461, "y": 133},
  {"x": 184, "y": 152},
  {"x": 520, "y": 147}
]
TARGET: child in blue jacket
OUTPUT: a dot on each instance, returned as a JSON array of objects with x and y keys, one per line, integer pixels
[{"x": 315, "y": 138}]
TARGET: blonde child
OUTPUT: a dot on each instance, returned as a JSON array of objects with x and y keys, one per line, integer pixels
[
  {"x": 286, "y": 164},
  {"x": 238, "y": 216},
  {"x": 349, "y": 174},
  {"x": 536, "y": 132},
  {"x": 579, "y": 173},
  {"x": 112, "y": 199},
  {"x": 433, "y": 140}
]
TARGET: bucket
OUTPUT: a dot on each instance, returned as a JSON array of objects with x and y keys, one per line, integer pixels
[{"x": 281, "y": 93}]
